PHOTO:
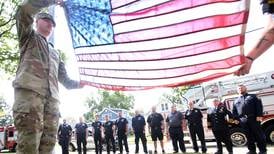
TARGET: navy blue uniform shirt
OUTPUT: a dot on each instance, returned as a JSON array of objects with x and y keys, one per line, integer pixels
[
  {"x": 121, "y": 124},
  {"x": 138, "y": 123},
  {"x": 108, "y": 127},
  {"x": 174, "y": 119},
  {"x": 194, "y": 116},
  {"x": 97, "y": 127},
  {"x": 217, "y": 117},
  {"x": 248, "y": 106},
  {"x": 155, "y": 120},
  {"x": 81, "y": 129},
  {"x": 64, "y": 131}
]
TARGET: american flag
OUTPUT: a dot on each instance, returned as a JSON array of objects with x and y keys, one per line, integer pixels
[{"x": 144, "y": 44}]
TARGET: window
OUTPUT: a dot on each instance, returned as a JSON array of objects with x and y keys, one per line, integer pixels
[
  {"x": 166, "y": 106},
  {"x": 163, "y": 107}
]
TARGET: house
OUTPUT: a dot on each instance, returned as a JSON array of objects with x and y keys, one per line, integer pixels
[{"x": 113, "y": 115}]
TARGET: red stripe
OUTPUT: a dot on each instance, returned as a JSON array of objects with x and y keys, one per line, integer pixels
[
  {"x": 217, "y": 21},
  {"x": 167, "y": 7},
  {"x": 135, "y": 88},
  {"x": 178, "y": 52},
  {"x": 163, "y": 73}
]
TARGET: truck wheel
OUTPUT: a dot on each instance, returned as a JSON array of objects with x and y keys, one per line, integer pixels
[
  {"x": 238, "y": 137},
  {"x": 72, "y": 147},
  {"x": 14, "y": 148},
  {"x": 269, "y": 132}
]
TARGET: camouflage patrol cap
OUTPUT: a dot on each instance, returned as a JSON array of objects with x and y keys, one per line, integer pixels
[{"x": 44, "y": 15}]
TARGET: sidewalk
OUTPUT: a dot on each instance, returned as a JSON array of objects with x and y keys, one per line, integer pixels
[{"x": 211, "y": 148}]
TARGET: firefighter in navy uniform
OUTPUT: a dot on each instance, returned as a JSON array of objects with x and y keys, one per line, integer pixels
[
  {"x": 81, "y": 136},
  {"x": 97, "y": 134},
  {"x": 64, "y": 136},
  {"x": 175, "y": 129},
  {"x": 195, "y": 124},
  {"x": 156, "y": 127},
  {"x": 217, "y": 118},
  {"x": 138, "y": 125},
  {"x": 122, "y": 130},
  {"x": 109, "y": 134},
  {"x": 249, "y": 111}
]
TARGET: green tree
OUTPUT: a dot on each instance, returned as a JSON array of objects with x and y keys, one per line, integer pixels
[
  {"x": 8, "y": 39},
  {"x": 176, "y": 96},
  {"x": 106, "y": 99},
  {"x": 5, "y": 113}
]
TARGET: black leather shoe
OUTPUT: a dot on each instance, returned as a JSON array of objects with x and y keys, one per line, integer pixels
[{"x": 251, "y": 152}]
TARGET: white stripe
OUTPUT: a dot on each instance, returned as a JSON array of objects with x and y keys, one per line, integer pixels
[
  {"x": 186, "y": 61},
  {"x": 181, "y": 16},
  {"x": 157, "y": 82},
  {"x": 142, "y": 4},
  {"x": 165, "y": 43},
  {"x": 118, "y": 3}
]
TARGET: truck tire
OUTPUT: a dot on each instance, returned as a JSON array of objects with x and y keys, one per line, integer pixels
[
  {"x": 269, "y": 132},
  {"x": 238, "y": 137},
  {"x": 72, "y": 147},
  {"x": 14, "y": 148}
]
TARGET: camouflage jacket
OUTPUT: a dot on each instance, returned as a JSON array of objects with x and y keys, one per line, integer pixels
[{"x": 40, "y": 66}]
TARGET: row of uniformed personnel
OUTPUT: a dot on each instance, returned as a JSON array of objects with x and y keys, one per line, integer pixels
[{"x": 247, "y": 112}]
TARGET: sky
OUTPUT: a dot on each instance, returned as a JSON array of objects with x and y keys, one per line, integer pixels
[{"x": 72, "y": 101}]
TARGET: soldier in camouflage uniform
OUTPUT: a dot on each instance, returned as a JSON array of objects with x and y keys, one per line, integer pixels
[{"x": 36, "y": 107}]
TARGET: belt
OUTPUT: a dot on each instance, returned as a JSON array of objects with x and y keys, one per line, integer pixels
[{"x": 247, "y": 116}]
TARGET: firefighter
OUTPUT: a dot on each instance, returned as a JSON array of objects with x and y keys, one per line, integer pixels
[
  {"x": 217, "y": 119},
  {"x": 122, "y": 130},
  {"x": 81, "y": 135},
  {"x": 248, "y": 109},
  {"x": 97, "y": 134},
  {"x": 64, "y": 136},
  {"x": 138, "y": 125},
  {"x": 156, "y": 127},
  {"x": 109, "y": 128},
  {"x": 175, "y": 129},
  {"x": 195, "y": 124}
]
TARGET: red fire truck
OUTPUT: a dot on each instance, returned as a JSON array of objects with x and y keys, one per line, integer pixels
[
  {"x": 260, "y": 84},
  {"x": 8, "y": 136}
]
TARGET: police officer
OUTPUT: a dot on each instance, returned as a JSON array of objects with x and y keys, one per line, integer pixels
[
  {"x": 156, "y": 127},
  {"x": 122, "y": 130},
  {"x": 97, "y": 134},
  {"x": 36, "y": 92},
  {"x": 174, "y": 126},
  {"x": 138, "y": 125},
  {"x": 195, "y": 124},
  {"x": 109, "y": 128},
  {"x": 217, "y": 119},
  {"x": 64, "y": 136},
  {"x": 81, "y": 136},
  {"x": 248, "y": 109}
]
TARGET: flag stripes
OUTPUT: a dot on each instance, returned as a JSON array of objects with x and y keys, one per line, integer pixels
[{"x": 143, "y": 44}]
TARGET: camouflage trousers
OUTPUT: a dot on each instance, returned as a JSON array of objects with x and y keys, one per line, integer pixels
[{"x": 36, "y": 120}]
